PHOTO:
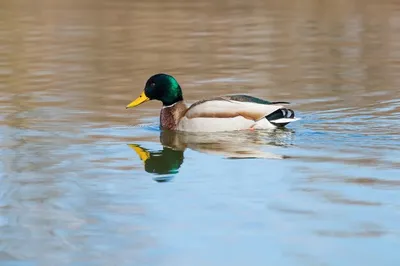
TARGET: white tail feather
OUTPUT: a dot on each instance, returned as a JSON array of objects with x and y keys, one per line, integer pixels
[{"x": 284, "y": 120}]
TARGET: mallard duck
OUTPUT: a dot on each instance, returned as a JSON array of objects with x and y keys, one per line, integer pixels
[{"x": 223, "y": 113}]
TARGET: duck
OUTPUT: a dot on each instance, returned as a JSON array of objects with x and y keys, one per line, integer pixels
[{"x": 214, "y": 114}]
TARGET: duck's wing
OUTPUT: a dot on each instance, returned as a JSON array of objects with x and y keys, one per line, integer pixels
[
  {"x": 230, "y": 106},
  {"x": 248, "y": 98}
]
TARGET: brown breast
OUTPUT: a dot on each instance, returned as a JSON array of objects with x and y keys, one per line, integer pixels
[{"x": 170, "y": 116}]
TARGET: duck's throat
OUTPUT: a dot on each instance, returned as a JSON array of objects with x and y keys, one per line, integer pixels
[{"x": 171, "y": 115}]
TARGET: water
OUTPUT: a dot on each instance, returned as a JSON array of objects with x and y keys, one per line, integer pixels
[{"x": 74, "y": 191}]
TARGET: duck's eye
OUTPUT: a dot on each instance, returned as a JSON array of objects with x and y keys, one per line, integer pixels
[{"x": 153, "y": 84}]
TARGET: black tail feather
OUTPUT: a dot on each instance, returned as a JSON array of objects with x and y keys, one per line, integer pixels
[{"x": 280, "y": 113}]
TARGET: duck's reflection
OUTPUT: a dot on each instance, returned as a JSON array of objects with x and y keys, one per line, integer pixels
[{"x": 165, "y": 163}]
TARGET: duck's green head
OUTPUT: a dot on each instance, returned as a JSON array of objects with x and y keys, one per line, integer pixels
[{"x": 160, "y": 87}]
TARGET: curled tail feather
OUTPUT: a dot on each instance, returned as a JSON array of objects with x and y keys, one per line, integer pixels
[{"x": 281, "y": 117}]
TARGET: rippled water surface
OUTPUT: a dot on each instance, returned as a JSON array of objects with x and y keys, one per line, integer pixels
[{"x": 73, "y": 187}]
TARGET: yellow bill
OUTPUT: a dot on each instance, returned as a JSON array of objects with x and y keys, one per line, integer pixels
[
  {"x": 139, "y": 100},
  {"x": 143, "y": 154}
]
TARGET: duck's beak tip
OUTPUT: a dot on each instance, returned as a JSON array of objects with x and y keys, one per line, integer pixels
[{"x": 139, "y": 100}]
